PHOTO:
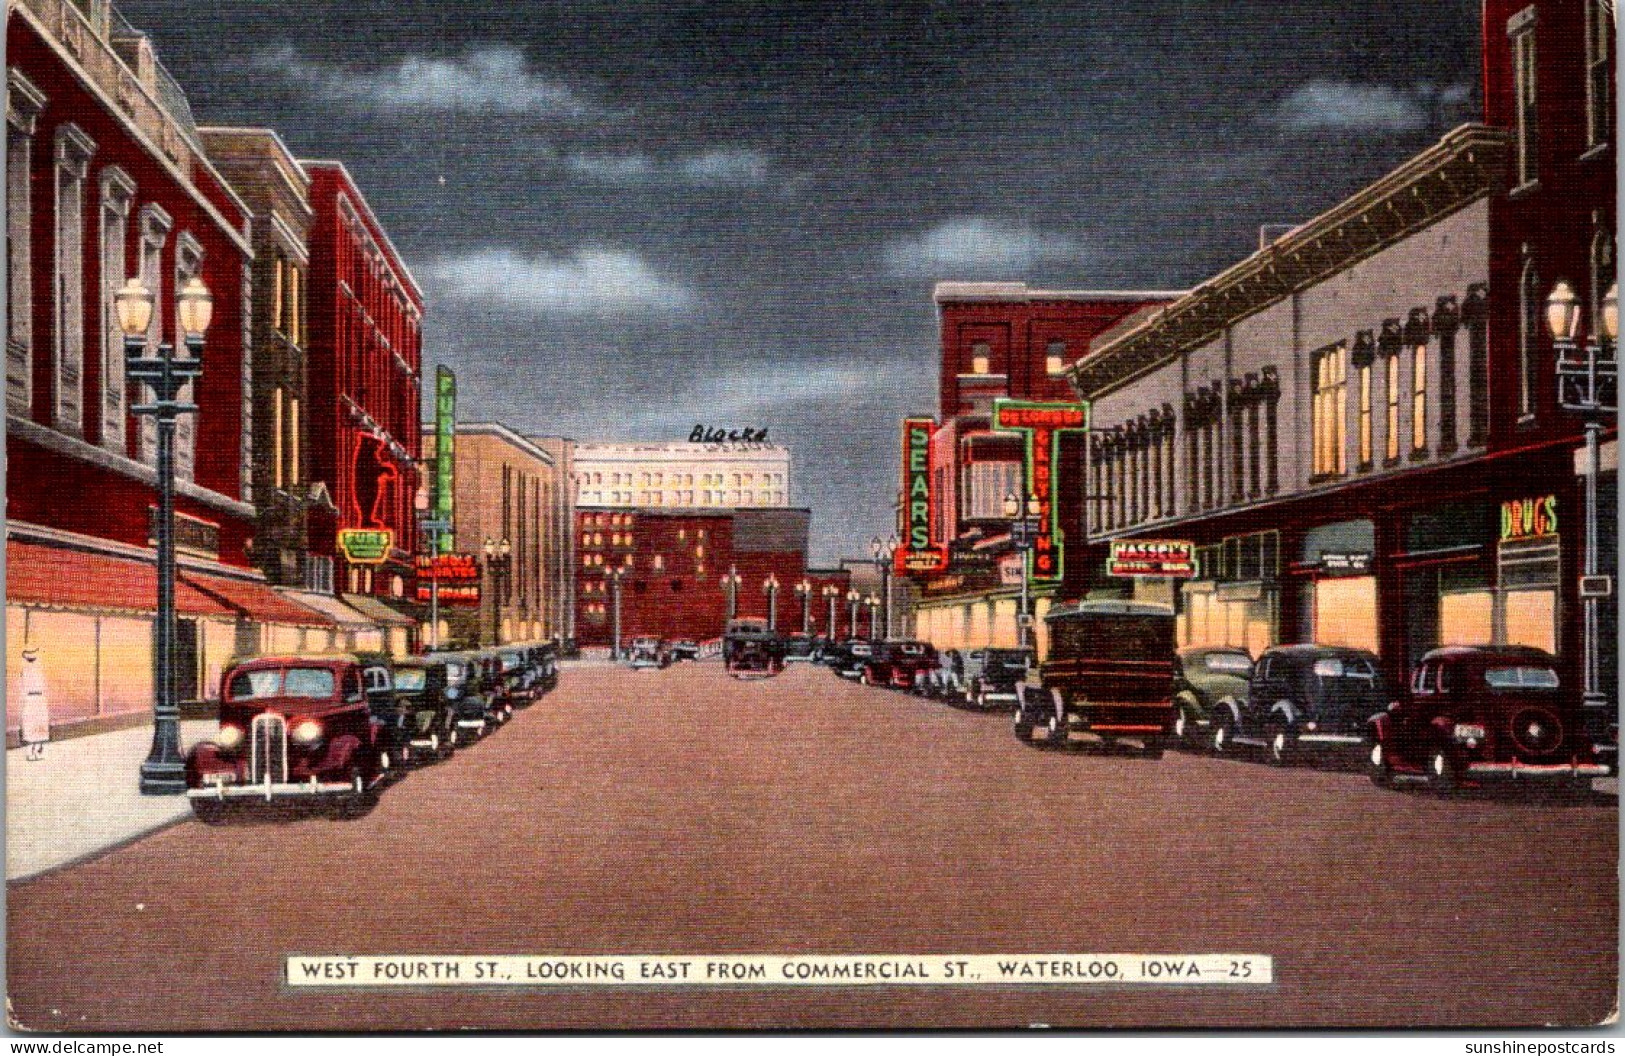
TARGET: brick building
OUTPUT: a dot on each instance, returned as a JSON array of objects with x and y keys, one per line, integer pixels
[
  {"x": 364, "y": 368},
  {"x": 682, "y": 475}
]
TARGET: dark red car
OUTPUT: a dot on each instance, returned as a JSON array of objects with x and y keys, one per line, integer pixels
[
  {"x": 291, "y": 727},
  {"x": 1483, "y": 712},
  {"x": 898, "y": 664}
]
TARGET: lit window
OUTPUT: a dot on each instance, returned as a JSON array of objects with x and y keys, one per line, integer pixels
[
  {"x": 981, "y": 358},
  {"x": 1391, "y": 424},
  {"x": 1055, "y": 358},
  {"x": 1330, "y": 386},
  {"x": 1365, "y": 414},
  {"x": 1419, "y": 398}
]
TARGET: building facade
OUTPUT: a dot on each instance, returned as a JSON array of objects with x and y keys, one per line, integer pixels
[
  {"x": 363, "y": 355},
  {"x": 682, "y": 475},
  {"x": 108, "y": 179},
  {"x": 999, "y": 341}
]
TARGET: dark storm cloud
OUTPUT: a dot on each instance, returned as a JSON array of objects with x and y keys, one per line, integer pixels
[{"x": 630, "y": 217}]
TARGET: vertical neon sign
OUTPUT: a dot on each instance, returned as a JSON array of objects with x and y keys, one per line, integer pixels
[
  {"x": 918, "y": 552},
  {"x": 445, "y": 437},
  {"x": 1041, "y": 426}
]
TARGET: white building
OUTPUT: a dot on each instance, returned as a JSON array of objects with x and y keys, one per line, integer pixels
[{"x": 739, "y": 475}]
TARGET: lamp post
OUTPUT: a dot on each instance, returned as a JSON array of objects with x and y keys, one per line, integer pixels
[
  {"x": 770, "y": 587},
  {"x": 882, "y": 553},
  {"x": 832, "y": 593},
  {"x": 432, "y": 527},
  {"x": 852, "y": 599},
  {"x": 615, "y": 575},
  {"x": 1587, "y": 382},
  {"x": 164, "y": 376},
  {"x": 873, "y": 604},
  {"x": 498, "y": 562},
  {"x": 731, "y": 583},
  {"x": 1023, "y": 527},
  {"x": 804, "y": 591}
]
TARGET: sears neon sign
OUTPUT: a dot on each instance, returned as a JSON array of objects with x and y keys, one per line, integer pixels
[{"x": 918, "y": 553}]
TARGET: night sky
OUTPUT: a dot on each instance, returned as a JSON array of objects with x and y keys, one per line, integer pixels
[{"x": 632, "y": 217}]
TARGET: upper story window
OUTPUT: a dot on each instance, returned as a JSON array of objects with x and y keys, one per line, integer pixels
[
  {"x": 1521, "y": 28},
  {"x": 1599, "y": 72},
  {"x": 1529, "y": 324},
  {"x": 1055, "y": 358},
  {"x": 73, "y": 153},
  {"x": 23, "y": 104},
  {"x": 981, "y": 358},
  {"x": 1331, "y": 384}
]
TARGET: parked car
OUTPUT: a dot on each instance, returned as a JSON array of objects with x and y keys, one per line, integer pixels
[
  {"x": 1108, "y": 677},
  {"x": 750, "y": 650},
  {"x": 988, "y": 677},
  {"x": 464, "y": 689},
  {"x": 798, "y": 648},
  {"x": 896, "y": 664},
  {"x": 428, "y": 706},
  {"x": 294, "y": 727},
  {"x": 849, "y": 656},
  {"x": 487, "y": 678},
  {"x": 1303, "y": 699},
  {"x": 946, "y": 679},
  {"x": 1208, "y": 679},
  {"x": 384, "y": 705},
  {"x": 647, "y": 651},
  {"x": 1476, "y": 713},
  {"x": 544, "y": 664},
  {"x": 518, "y": 676},
  {"x": 685, "y": 649}
]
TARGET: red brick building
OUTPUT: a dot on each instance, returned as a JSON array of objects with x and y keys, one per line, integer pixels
[
  {"x": 107, "y": 180},
  {"x": 677, "y": 565},
  {"x": 364, "y": 367}
]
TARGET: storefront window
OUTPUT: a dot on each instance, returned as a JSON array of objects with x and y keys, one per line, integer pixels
[
  {"x": 1531, "y": 618},
  {"x": 1345, "y": 612},
  {"x": 1466, "y": 618}
]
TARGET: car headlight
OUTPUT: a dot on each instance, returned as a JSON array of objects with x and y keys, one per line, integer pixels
[
  {"x": 229, "y": 738},
  {"x": 1466, "y": 731},
  {"x": 452, "y": 692},
  {"x": 307, "y": 733}
]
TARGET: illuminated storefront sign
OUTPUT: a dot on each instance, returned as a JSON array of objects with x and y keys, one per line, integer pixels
[
  {"x": 445, "y": 440},
  {"x": 457, "y": 574},
  {"x": 366, "y": 546},
  {"x": 1529, "y": 518},
  {"x": 1152, "y": 557},
  {"x": 1042, "y": 425},
  {"x": 918, "y": 553}
]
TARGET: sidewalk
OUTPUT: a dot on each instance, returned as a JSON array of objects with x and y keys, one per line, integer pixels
[{"x": 83, "y": 797}]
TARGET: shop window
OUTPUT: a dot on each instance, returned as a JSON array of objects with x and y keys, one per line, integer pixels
[
  {"x": 1599, "y": 71},
  {"x": 1330, "y": 381},
  {"x": 1521, "y": 28},
  {"x": 1531, "y": 618},
  {"x": 1345, "y": 612},
  {"x": 1466, "y": 618}
]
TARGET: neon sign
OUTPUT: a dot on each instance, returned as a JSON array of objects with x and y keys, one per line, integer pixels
[
  {"x": 1042, "y": 425},
  {"x": 918, "y": 553}
]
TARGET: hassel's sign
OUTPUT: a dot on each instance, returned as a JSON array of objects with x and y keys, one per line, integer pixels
[
  {"x": 918, "y": 553},
  {"x": 1043, "y": 425},
  {"x": 1528, "y": 518},
  {"x": 366, "y": 546},
  {"x": 1175, "y": 558}
]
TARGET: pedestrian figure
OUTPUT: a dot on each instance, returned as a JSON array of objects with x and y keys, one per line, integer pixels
[{"x": 36, "y": 707}]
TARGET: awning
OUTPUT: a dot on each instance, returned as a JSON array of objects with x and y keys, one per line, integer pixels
[
  {"x": 377, "y": 611},
  {"x": 256, "y": 601},
  {"x": 331, "y": 607},
  {"x": 58, "y": 577}
]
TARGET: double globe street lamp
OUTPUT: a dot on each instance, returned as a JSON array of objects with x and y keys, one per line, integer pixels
[
  {"x": 160, "y": 379},
  {"x": 804, "y": 591},
  {"x": 1588, "y": 383},
  {"x": 832, "y": 594},
  {"x": 882, "y": 553},
  {"x": 730, "y": 583},
  {"x": 1023, "y": 531},
  {"x": 498, "y": 566},
  {"x": 770, "y": 587}
]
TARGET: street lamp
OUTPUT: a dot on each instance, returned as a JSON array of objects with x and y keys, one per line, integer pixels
[
  {"x": 615, "y": 576},
  {"x": 832, "y": 594},
  {"x": 731, "y": 582},
  {"x": 498, "y": 563},
  {"x": 852, "y": 599},
  {"x": 770, "y": 587},
  {"x": 1587, "y": 382},
  {"x": 873, "y": 604},
  {"x": 883, "y": 552},
  {"x": 804, "y": 591},
  {"x": 1023, "y": 529},
  {"x": 164, "y": 375}
]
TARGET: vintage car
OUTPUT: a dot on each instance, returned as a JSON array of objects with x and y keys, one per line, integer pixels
[
  {"x": 897, "y": 663},
  {"x": 750, "y": 650},
  {"x": 1108, "y": 677},
  {"x": 465, "y": 690},
  {"x": 1207, "y": 679},
  {"x": 1303, "y": 699},
  {"x": 647, "y": 651},
  {"x": 798, "y": 648},
  {"x": 545, "y": 658},
  {"x": 487, "y": 685},
  {"x": 986, "y": 678},
  {"x": 1475, "y": 713},
  {"x": 848, "y": 657},
  {"x": 521, "y": 675},
  {"x": 294, "y": 727},
  {"x": 428, "y": 707},
  {"x": 684, "y": 649},
  {"x": 388, "y": 719}
]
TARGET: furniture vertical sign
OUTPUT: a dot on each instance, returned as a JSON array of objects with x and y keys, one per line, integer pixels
[{"x": 445, "y": 437}]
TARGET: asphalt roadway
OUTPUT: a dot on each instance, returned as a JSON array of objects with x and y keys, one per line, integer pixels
[{"x": 684, "y": 812}]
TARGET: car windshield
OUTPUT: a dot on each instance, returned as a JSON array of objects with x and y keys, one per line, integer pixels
[
  {"x": 1007, "y": 656},
  {"x": 1230, "y": 664},
  {"x": 410, "y": 679},
  {"x": 1521, "y": 677},
  {"x": 314, "y": 682},
  {"x": 1344, "y": 667},
  {"x": 510, "y": 661}
]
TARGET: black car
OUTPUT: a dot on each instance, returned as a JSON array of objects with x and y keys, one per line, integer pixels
[
  {"x": 685, "y": 649},
  {"x": 989, "y": 677},
  {"x": 1306, "y": 698},
  {"x": 849, "y": 656},
  {"x": 798, "y": 648},
  {"x": 465, "y": 688},
  {"x": 1209, "y": 680},
  {"x": 428, "y": 707}
]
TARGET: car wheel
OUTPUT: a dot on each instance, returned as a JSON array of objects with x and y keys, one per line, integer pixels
[
  {"x": 1283, "y": 745},
  {"x": 209, "y": 811},
  {"x": 1224, "y": 728},
  {"x": 360, "y": 798},
  {"x": 1057, "y": 733},
  {"x": 1378, "y": 766},
  {"x": 1024, "y": 729},
  {"x": 1442, "y": 771},
  {"x": 1181, "y": 727}
]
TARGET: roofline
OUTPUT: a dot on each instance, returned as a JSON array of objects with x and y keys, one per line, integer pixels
[
  {"x": 501, "y": 431},
  {"x": 953, "y": 292},
  {"x": 373, "y": 222},
  {"x": 259, "y": 130},
  {"x": 690, "y": 511}
]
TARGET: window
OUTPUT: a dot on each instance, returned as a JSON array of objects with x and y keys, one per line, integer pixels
[
  {"x": 1055, "y": 358},
  {"x": 1419, "y": 398},
  {"x": 73, "y": 151},
  {"x": 293, "y": 472},
  {"x": 1529, "y": 324},
  {"x": 1475, "y": 315},
  {"x": 1331, "y": 382},
  {"x": 1254, "y": 462},
  {"x": 1602, "y": 276},
  {"x": 188, "y": 263},
  {"x": 23, "y": 104},
  {"x": 1599, "y": 71},
  {"x": 981, "y": 358},
  {"x": 1238, "y": 450},
  {"x": 1521, "y": 27},
  {"x": 1365, "y": 416},
  {"x": 117, "y": 192},
  {"x": 277, "y": 267},
  {"x": 155, "y": 225},
  {"x": 1391, "y": 420},
  {"x": 276, "y": 437}
]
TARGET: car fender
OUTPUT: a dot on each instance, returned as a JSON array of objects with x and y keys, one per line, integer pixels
[
  {"x": 1188, "y": 703},
  {"x": 1381, "y": 728},
  {"x": 1285, "y": 711},
  {"x": 207, "y": 758},
  {"x": 341, "y": 751},
  {"x": 1229, "y": 706}
]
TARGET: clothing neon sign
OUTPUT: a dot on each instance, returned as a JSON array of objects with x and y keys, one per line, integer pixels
[{"x": 1042, "y": 425}]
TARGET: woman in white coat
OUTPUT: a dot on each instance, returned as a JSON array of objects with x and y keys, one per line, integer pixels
[{"x": 36, "y": 707}]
